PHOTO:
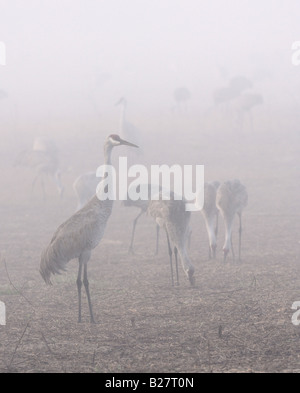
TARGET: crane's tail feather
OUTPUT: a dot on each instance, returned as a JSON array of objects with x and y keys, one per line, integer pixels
[{"x": 50, "y": 265}]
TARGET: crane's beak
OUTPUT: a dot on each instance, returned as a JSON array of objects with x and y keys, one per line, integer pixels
[{"x": 123, "y": 142}]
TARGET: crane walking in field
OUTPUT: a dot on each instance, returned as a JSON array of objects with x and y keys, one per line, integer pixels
[
  {"x": 43, "y": 158},
  {"x": 232, "y": 198},
  {"x": 174, "y": 219},
  {"x": 143, "y": 206},
  {"x": 210, "y": 214},
  {"x": 81, "y": 233}
]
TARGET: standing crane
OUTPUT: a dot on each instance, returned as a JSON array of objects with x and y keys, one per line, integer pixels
[
  {"x": 245, "y": 104},
  {"x": 174, "y": 219},
  {"x": 80, "y": 234},
  {"x": 143, "y": 206},
  {"x": 235, "y": 88},
  {"x": 210, "y": 214},
  {"x": 232, "y": 198},
  {"x": 43, "y": 158}
]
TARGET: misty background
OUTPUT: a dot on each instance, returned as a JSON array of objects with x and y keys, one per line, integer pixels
[{"x": 68, "y": 62}]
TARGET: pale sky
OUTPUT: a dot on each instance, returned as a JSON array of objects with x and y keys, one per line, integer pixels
[{"x": 59, "y": 52}]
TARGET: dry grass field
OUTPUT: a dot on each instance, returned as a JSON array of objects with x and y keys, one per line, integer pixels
[{"x": 237, "y": 318}]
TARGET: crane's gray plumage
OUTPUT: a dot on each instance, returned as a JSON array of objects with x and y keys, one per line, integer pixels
[
  {"x": 232, "y": 198},
  {"x": 174, "y": 219},
  {"x": 210, "y": 215},
  {"x": 85, "y": 188},
  {"x": 80, "y": 234}
]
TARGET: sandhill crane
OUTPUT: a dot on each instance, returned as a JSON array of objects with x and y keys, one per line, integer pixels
[
  {"x": 174, "y": 219},
  {"x": 181, "y": 96},
  {"x": 80, "y": 234},
  {"x": 85, "y": 188},
  {"x": 43, "y": 158},
  {"x": 210, "y": 215},
  {"x": 246, "y": 102},
  {"x": 235, "y": 88},
  {"x": 143, "y": 206},
  {"x": 232, "y": 198}
]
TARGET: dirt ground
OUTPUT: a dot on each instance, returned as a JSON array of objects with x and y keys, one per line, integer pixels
[{"x": 237, "y": 318}]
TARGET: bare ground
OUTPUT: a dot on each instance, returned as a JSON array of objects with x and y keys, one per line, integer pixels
[{"x": 236, "y": 319}]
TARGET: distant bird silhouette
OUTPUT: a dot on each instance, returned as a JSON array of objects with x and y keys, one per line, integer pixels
[
  {"x": 235, "y": 88},
  {"x": 174, "y": 219},
  {"x": 232, "y": 198},
  {"x": 245, "y": 104},
  {"x": 210, "y": 215},
  {"x": 81, "y": 233},
  {"x": 181, "y": 96},
  {"x": 43, "y": 158}
]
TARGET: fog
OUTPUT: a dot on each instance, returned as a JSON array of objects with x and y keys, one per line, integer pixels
[
  {"x": 70, "y": 58},
  {"x": 204, "y": 82}
]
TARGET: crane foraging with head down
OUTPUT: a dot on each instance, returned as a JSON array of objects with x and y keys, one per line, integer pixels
[
  {"x": 232, "y": 198},
  {"x": 172, "y": 216},
  {"x": 81, "y": 233},
  {"x": 210, "y": 215}
]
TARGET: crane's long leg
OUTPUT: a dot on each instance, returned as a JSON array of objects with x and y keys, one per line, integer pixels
[
  {"x": 217, "y": 224},
  {"x": 79, "y": 286},
  {"x": 157, "y": 238},
  {"x": 240, "y": 236},
  {"x": 189, "y": 238},
  {"x": 176, "y": 261},
  {"x": 130, "y": 250},
  {"x": 170, "y": 255},
  {"x": 87, "y": 290},
  {"x": 232, "y": 250}
]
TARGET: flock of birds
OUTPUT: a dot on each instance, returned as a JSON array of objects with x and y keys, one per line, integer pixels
[{"x": 77, "y": 237}]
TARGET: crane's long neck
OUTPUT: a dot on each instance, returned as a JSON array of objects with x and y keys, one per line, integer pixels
[
  {"x": 107, "y": 153},
  {"x": 106, "y": 188}
]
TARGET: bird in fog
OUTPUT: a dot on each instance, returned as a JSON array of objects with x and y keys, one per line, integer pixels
[
  {"x": 85, "y": 188},
  {"x": 210, "y": 214},
  {"x": 43, "y": 159},
  {"x": 143, "y": 206},
  {"x": 245, "y": 104},
  {"x": 81, "y": 233},
  {"x": 181, "y": 96},
  {"x": 174, "y": 219},
  {"x": 235, "y": 88},
  {"x": 232, "y": 198}
]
